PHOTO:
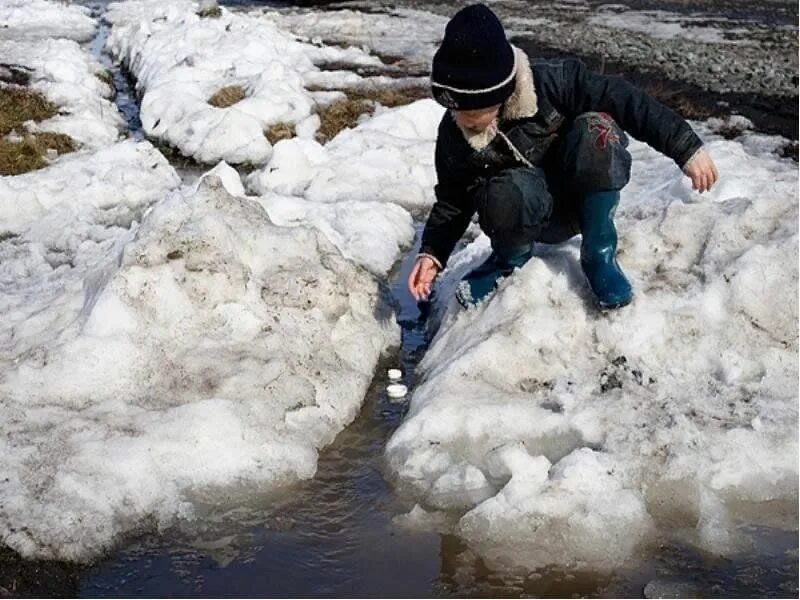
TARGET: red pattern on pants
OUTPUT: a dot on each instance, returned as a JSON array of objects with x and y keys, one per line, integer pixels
[{"x": 601, "y": 124}]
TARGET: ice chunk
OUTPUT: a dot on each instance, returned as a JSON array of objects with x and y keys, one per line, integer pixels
[{"x": 579, "y": 515}]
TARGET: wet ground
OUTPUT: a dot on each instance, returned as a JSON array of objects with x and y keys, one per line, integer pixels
[{"x": 335, "y": 536}]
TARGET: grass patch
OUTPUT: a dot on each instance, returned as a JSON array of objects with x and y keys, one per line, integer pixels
[
  {"x": 227, "y": 96},
  {"x": 212, "y": 12},
  {"x": 390, "y": 97},
  {"x": 279, "y": 131},
  {"x": 344, "y": 114},
  {"x": 29, "y": 153},
  {"x": 18, "y": 105},
  {"x": 339, "y": 116},
  {"x": 106, "y": 77}
]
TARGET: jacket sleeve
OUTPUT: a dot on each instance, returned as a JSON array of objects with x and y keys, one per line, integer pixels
[
  {"x": 639, "y": 114},
  {"x": 454, "y": 206}
]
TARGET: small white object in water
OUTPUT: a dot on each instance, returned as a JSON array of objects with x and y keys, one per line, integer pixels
[
  {"x": 207, "y": 4},
  {"x": 394, "y": 374},
  {"x": 396, "y": 390}
]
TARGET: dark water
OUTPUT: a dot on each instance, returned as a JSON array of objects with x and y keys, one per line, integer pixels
[{"x": 334, "y": 536}]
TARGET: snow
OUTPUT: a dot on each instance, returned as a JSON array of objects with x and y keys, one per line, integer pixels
[
  {"x": 217, "y": 351},
  {"x": 371, "y": 234},
  {"x": 66, "y": 74},
  {"x": 61, "y": 227},
  {"x": 180, "y": 60},
  {"x": 665, "y": 25},
  {"x": 163, "y": 347},
  {"x": 563, "y": 436},
  {"x": 388, "y": 158},
  {"x": 409, "y": 34},
  {"x": 35, "y": 19}
]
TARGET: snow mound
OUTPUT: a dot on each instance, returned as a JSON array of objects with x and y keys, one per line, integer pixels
[
  {"x": 181, "y": 60},
  {"x": 566, "y": 437},
  {"x": 66, "y": 74},
  {"x": 388, "y": 158},
  {"x": 371, "y": 234},
  {"x": 219, "y": 354},
  {"x": 62, "y": 225},
  {"x": 25, "y": 19}
]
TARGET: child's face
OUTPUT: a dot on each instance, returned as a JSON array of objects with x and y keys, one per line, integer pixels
[{"x": 476, "y": 120}]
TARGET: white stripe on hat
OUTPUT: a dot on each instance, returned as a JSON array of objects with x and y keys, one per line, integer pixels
[{"x": 483, "y": 91}]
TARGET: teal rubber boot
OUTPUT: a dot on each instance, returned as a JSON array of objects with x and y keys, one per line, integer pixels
[
  {"x": 599, "y": 250},
  {"x": 480, "y": 283}
]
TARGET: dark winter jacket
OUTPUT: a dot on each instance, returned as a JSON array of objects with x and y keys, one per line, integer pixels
[{"x": 548, "y": 95}]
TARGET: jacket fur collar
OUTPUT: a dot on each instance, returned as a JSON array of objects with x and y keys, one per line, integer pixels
[{"x": 520, "y": 105}]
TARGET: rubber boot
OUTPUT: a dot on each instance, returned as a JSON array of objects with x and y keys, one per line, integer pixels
[
  {"x": 481, "y": 282},
  {"x": 599, "y": 250}
]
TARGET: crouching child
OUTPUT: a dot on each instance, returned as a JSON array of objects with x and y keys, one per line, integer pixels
[{"x": 538, "y": 150}]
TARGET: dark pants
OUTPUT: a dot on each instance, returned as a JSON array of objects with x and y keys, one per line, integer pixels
[{"x": 523, "y": 205}]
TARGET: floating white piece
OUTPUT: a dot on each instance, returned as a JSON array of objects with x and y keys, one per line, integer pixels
[
  {"x": 396, "y": 390},
  {"x": 394, "y": 374}
]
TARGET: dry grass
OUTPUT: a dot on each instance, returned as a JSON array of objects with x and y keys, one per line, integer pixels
[
  {"x": 227, "y": 96},
  {"x": 18, "y": 105},
  {"x": 344, "y": 114},
  {"x": 105, "y": 76},
  {"x": 29, "y": 153},
  {"x": 340, "y": 116},
  {"x": 213, "y": 12},
  {"x": 390, "y": 97},
  {"x": 279, "y": 131}
]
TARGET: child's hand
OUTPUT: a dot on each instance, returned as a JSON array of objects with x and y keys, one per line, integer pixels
[
  {"x": 421, "y": 277},
  {"x": 702, "y": 171}
]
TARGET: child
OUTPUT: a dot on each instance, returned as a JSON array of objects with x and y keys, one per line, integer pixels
[{"x": 538, "y": 151}]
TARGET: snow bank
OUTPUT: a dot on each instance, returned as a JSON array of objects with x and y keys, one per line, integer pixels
[
  {"x": 371, "y": 234},
  {"x": 388, "y": 158},
  {"x": 25, "y": 19},
  {"x": 59, "y": 227},
  {"x": 217, "y": 353},
  {"x": 409, "y": 34},
  {"x": 567, "y": 437},
  {"x": 66, "y": 74},
  {"x": 181, "y": 60}
]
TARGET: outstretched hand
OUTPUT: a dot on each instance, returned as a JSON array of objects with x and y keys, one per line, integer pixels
[
  {"x": 702, "y": 171},
  {"x": 421, "y": 278}
]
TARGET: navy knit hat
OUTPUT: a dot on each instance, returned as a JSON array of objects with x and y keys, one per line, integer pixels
[{"x": 475, "y": 65}]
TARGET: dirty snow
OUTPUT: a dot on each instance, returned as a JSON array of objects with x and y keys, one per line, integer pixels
[{"x": 566, "y": 437}]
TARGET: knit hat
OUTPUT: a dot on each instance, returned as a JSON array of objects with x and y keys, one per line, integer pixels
[{"x": 475, "y": 65}]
